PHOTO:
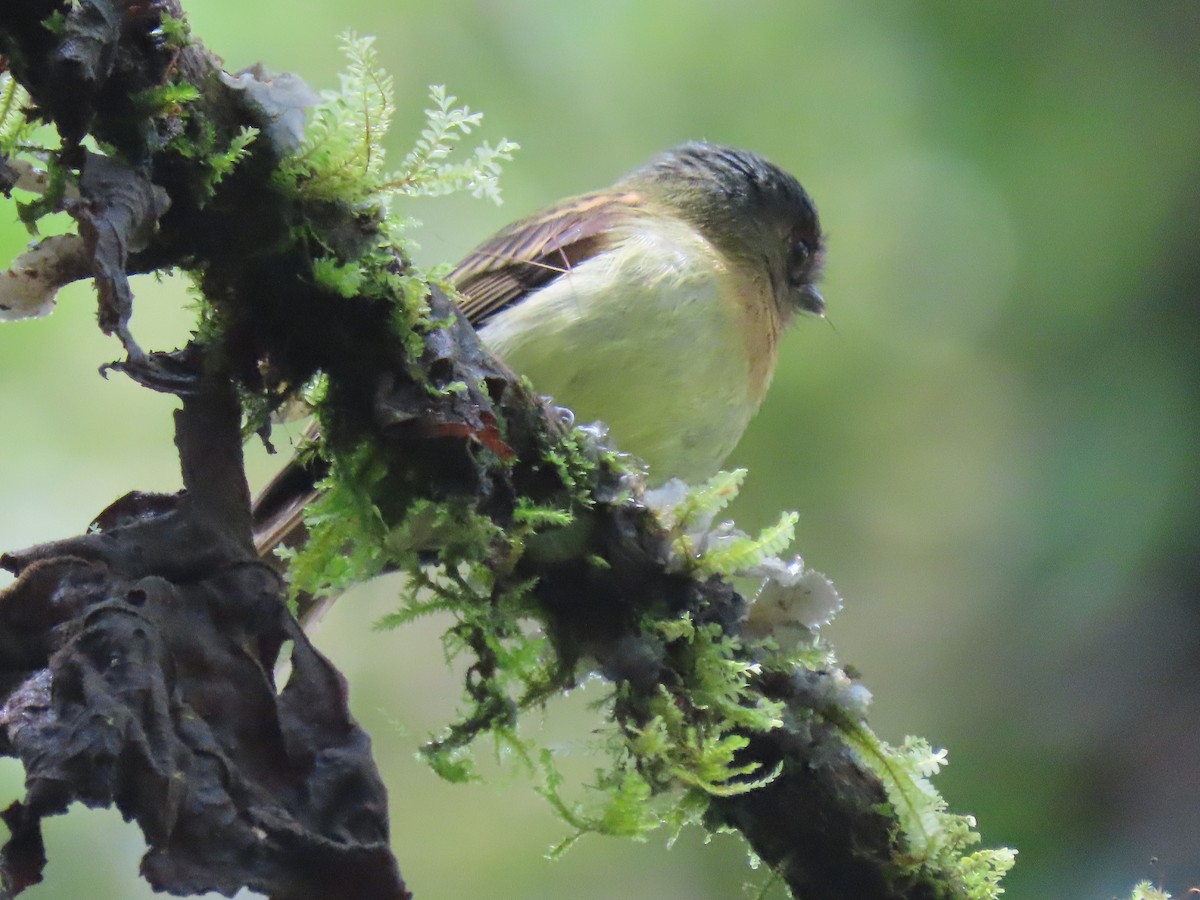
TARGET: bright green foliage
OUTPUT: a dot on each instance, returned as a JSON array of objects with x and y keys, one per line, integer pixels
[
  {"x": 513, "y": 666},
  {"x": 56, "y": 177},
  {"x": 426, "y": 170},
  {"x": 198, "y": 140},
  {"x": 704, "y": 501},
  {"x": 221, "y": 163},
  {"x": 341, "y": 158},
  {"x": 569, "y": 461},
  {"x": 935, "y": 839},
  {"x": 698, "y": 752},
  {"x": 176, "y": 32},
  {"x": 165, "y": 99},
  {"x": 720, "y": 676},
  {"x": 15, "y": 129},
  {"x": 697, "y": 747},
  {"x": 38, "y": 167},
  {"x": 740, "y": 552},
  {"x": 982, "y": 872},
  {"x": 349, "y": 541},
  {"x": 629, "y": 809},
  {"x": 722, "y": 551},
  {"x": 345, "y": 279},
  {"x": 346, "y": 529},
  {"x": 664, "y": 770},
  {"x": 55, "y": 22},
  {"x": 1144, "y": 890},
  {"x": 538, "y": 517}
]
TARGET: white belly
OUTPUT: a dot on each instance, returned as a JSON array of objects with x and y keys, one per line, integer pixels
[{"x": 661, "y": 358}]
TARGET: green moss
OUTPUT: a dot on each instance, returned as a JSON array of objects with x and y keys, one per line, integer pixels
[
  {"x": 56, "y": 22},
  {"x": 221, "y": 163},
  {"x": 936, "y": 842},
  {"x": 15, "y": 127},
  {"x": 346, "y": 530},
  {"x": 164, "y": 99},
  {"x": 345, "y": 279},
  {"x": 176, "y": 33},
  {"x": 342, "y": 160},
  {"x": 1144, "y": 890},
  {"x": 676, "y": 742}
]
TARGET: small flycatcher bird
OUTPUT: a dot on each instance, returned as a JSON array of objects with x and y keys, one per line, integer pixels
[{"x": 655, "y": 305}]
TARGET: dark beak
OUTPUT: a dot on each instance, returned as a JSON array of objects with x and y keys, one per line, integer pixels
[{"x": 810, "y": 300}]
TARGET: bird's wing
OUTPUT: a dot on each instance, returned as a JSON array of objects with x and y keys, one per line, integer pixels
[{"x": 528, "y": 254}]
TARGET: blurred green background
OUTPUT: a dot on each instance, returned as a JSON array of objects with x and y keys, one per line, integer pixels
[{"x": 993, "y": 451}]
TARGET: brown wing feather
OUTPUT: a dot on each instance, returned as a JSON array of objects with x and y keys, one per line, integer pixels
[{"x": 528, "y": 254}]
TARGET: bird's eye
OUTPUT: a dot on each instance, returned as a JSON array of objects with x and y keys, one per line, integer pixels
[{"x": 798, "y": 263}]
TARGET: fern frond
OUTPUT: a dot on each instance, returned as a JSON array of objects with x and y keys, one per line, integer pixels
[
  {"x": 425, "y": 171},
  {"x": 934, "y": 837},
  {"x": 15, "y": 128},
  {"x": 705, "y": 501},
  {"x": 733, "y": 555},
  {"x": 342, "y": 155}
]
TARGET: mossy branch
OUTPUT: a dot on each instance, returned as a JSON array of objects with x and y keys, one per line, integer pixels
[{"x": 439, "y": 460}]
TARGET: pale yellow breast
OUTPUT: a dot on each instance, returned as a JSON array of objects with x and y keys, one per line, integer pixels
[{"x": 657, "y": 338}]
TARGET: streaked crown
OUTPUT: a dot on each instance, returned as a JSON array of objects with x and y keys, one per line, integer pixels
[{"x": 748, "y": 207}]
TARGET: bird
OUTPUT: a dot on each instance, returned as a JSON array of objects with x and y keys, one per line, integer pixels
[{"x": 655, "y": 305}]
